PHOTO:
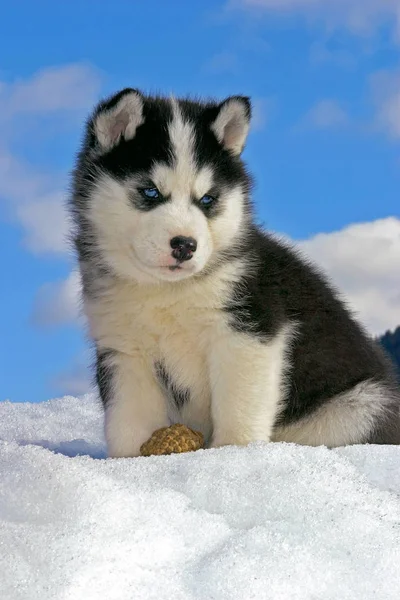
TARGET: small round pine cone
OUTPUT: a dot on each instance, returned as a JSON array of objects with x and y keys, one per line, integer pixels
[{"x": 172, "y": 440}]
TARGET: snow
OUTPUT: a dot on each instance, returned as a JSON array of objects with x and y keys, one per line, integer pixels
[{"x": 273, "y": 522}]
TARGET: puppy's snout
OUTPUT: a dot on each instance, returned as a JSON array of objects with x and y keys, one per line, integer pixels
[{"x": 183, "y": 247}]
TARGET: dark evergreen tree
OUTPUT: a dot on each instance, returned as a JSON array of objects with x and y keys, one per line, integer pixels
[{"x": 391, "y": 342}]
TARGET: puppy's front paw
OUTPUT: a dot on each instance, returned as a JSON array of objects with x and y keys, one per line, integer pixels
[{"x": 219, "y": 442}]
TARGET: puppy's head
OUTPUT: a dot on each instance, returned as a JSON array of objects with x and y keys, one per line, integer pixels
[{"x": 162, "y": 184}]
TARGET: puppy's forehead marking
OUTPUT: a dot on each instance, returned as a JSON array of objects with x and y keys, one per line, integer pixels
[
  {"x": 169, "y": 182},
  {"x": 203, "y": 182},
  {"x": 182, "y": 137},
  {"x": 182, "y": 178}
]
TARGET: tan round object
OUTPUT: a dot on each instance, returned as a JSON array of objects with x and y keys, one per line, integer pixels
[{"x": 172, "y": 440}]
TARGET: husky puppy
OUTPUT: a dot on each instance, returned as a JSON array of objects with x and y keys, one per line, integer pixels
[{"x": 197, "y": 315}]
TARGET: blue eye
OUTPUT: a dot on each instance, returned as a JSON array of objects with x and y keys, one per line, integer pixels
[
  {"x": 152, "y": 193},
  {"x": 206, "y": 200}
]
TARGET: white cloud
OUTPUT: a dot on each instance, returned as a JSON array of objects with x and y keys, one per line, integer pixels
[
  {"x": 363, "y": 261},
  {"x": 58, "y": 303},
  {"x": 75, "y": 381},
  {"x": 34, "y": 199},
  {"x": 385, "y": 86},
  {"x": 385, "y": 94},
  {"x": 262, "y": 111},
  {"x": 46, "y": 223},
  {"x": 325, "y": 114},
  {"x": 358, "y": 16},
  {"x": 321, "y": 53},
  {"x": 223, "y": 62},
  {"x": 54, "y": 89}
]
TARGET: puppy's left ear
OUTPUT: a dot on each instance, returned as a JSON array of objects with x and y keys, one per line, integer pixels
[
  {"x": 232, "y": 123},
  {"x": 117, "y": 118}
]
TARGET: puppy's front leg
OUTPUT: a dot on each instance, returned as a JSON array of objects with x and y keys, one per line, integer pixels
[
  {"x": 134, "y": 404},
  {"x": 247, "y": 387}
]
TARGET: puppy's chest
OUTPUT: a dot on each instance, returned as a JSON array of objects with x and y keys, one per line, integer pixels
[{"x": 174, "y": 331}]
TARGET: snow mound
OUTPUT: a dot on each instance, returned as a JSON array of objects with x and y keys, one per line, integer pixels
[{"x": 266, "y": 522}]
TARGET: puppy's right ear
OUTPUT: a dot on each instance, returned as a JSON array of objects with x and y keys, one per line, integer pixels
[{"x": 117, "y": 118}]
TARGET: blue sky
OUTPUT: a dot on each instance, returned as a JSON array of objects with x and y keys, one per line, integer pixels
[{"x": 324, "y": 78}]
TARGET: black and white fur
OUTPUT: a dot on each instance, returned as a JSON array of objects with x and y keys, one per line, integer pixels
[{"x": 246, "y": 340}]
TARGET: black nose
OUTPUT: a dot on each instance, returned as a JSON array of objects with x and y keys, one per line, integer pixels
[{"x": 183, "y": 247}]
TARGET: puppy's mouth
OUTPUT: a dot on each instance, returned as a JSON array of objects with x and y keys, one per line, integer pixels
[{"x": 175, "y": 267}]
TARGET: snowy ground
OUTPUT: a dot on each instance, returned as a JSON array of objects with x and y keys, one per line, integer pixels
[{"x": 275, "y": 522}]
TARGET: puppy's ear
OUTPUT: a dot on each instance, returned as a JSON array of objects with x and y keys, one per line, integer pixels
[
  {"x": 232, "y": 123},
  {"x": 117, "y": 118}
]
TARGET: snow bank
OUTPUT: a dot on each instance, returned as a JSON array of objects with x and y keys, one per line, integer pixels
[{"x": 273, "y": 522}]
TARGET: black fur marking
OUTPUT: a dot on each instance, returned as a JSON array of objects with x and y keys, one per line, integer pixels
[
  {"x": 179, "y": 396},
  {"x": 104, "y": 375}
]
